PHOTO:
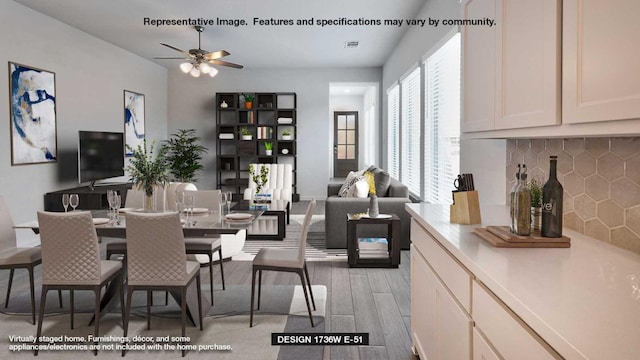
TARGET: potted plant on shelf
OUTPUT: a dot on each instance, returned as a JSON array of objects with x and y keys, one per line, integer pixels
[
  {"x": 248, "y": 100},
  {"x": 536, "y": 204},
  {"x": 286, "y": 134},
  {"x": 246, "y": 133},
  {"x": 268, "y": 148},
  {"x": 184, "y": 155},
  {"x": 147, "y": 172}
]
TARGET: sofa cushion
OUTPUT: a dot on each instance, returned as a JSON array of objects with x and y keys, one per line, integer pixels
[
  {"x": 359, "y": 190},
  {"x": 352, "y": 178},
  {"x": 382, "y": 180}
]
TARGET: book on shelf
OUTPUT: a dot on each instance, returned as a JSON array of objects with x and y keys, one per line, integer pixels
[
  {"x": 373, "y": 255},
  {"x": 285, "y": 120},
  {"x": 226, "y": 136},
  {"x": 373, "y": 244},
  {"x": 265, "y": 132},
  {"x": 262, "y": 198}
]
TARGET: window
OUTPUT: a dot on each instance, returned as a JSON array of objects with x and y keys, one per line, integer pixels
[
  {"x": 393, "y": 131},
  {"x": 442, "y": 121},
  {"x": 411, "y": 129}
]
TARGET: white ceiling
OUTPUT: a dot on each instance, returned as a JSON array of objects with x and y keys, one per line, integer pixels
[{"x": 120, "y": 22}]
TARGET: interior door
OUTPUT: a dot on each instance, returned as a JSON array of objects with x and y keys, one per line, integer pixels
[{"x": 345, "y": 142}]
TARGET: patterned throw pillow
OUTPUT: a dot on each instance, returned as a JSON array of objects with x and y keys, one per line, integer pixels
[
  {"x": 360, "y": 189},
  {"x": 352, "y": 178}
]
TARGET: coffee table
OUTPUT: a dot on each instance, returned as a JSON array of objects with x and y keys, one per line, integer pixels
[{"x": 272, "y": 224}]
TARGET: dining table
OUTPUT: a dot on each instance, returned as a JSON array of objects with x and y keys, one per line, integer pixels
[{"x": 206, "y": 224}]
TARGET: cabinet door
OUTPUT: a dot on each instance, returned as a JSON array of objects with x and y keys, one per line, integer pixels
[
  {"x": 478, "y": 66},
  {"x": 528, "y": 64},
  {"x": 441, "y": 329},
  {"x": 481, "y": 348},
  {"x": 600, "y": 57}
]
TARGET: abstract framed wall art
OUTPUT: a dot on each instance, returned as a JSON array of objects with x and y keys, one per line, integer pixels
[
  {"x": 32, "y": 104},
  {"x": 133, "y": 121}
]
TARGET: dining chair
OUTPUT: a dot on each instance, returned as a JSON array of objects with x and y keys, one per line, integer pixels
[
  {"x": 156, "y": 260},
  {"x": 13, "y": 257},
  {"x": 290, "y": 260},
  {"x": 71, "y": 261},
  {"x": 201, "y": 249}
]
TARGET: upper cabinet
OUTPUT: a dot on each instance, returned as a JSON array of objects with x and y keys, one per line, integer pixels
[
  {"x": 551, "y": 68},
  {"x": 601, "y": 57},
  {"x": 511, "y": 71}
]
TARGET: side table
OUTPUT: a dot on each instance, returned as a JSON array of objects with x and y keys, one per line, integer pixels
[{"x": 393, "y": 241}]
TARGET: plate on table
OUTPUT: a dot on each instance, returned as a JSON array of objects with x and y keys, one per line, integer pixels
[
  {"x": 198, "y": 210},
  {"x": 100, "y": 221},
  {"x": 238, "y": 217},
  {"x": 128, "y": 209}
]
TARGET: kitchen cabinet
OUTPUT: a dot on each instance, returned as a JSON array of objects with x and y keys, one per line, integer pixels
[
  {"x": 511, "y": 71},
  {"x": 600, "y": 72},
  {"x": 481, "y": 348}
]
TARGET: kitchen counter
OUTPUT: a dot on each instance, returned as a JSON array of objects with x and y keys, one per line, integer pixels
[{"x": 584, "y": 301}]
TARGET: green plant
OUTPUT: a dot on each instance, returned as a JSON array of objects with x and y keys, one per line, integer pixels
[
  {"x": 259, "y": 179},
  {"x": 245, "y": 131},
  {"x": 535, "y": 189},
  {"x": 184, "y": 155},
  {"x": 268, "y": 145},
  {"x": 146, "y": 171},
  {"x": 248, "y": 97},
  {"x": 286, "y": 132}
]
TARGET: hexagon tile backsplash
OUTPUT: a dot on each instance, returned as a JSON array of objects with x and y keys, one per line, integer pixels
[{"x": 601, "y": 180}]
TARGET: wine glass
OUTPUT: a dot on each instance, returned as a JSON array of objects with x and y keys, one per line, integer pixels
[
  {"x": 179, "y": 201},
  {"x": 189, "y": 202},
  {"x": 110, "y": 199},
  {"x": 117, "y": 202},
  {"x": 65, "y": 201},
  {"x": 229, "y": 200},
  {"x": 73, "y": 201},
  {"x": 223, "y": 201}
]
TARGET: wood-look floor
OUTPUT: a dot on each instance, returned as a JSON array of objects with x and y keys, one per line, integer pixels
[{"x": 371, "y": 300}]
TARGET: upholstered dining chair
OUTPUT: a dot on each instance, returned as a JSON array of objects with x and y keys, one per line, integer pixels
[
  {"x": 201, "y": 249},
  {"x": 290, "y": 260},
  {"x": 13, "y": 257},
  {"x": 156, "y": 260},
  {"x": 71, "y": 260}
]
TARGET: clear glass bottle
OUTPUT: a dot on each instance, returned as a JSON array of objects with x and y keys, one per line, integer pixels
[
  {"x": 523, "y": 207},
  {"x": 512, "y": 209},
  {"x": 552, "y": 196}
]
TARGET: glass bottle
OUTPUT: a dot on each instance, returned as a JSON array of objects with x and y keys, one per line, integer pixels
[
  {"x": 523, "y": 207},
  {"x": 512, "y": 209},
  {"x": 552, "y": 195}
]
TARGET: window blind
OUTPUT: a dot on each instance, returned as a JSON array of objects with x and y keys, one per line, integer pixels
[
  {"x": 411, "y": 129},
  {"x": 393, "y": 131},
  {"x": 442, "y": 121}
]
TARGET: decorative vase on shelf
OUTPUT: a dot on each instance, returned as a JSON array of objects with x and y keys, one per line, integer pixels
[
  {"x": 247, "y": 137},
  {"x": 286, "y": 137},
  {"x": 268, "y": 152},
  {"x": 373, "y": 206},
  {"x": 224, "y": 105},
  {"x": 248, "y": 104}
]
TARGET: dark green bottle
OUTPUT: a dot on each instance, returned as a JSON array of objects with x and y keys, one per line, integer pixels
[{"x": 552, "y": 193}]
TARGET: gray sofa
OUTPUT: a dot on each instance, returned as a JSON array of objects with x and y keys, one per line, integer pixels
[{"x": 337, "y": 208}]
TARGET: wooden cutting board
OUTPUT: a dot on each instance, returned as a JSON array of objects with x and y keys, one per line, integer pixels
[
  {"x": 505, "y": 234},
  {"x": 497, "y": 241}
]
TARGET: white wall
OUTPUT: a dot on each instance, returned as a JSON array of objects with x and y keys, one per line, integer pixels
[
  {"x": 486, "y": 159},
  {"x": 90, "y": 78},
  {"x": 192, "y": 105}
]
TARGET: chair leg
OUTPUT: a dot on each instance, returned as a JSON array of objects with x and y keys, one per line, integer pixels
[
  {"x": 43, "y": 300},
  {"x": 122, "y": 303},
  {"x": 306, "y": 274},
  {"x": 306, "y": 296},
  {"x": 183, "y": 315},
  {"x": 127, "y": 313},
  {"x": 71, "y": 306},
  {"x": 33, "y": 296},
  {"x": 211, "y": 276},
  {"x": 60, "y": 298},
  {"x": 221, "y": 268},
  {"x": 97, "y": 291},
  {"x": 259, "y": 287},
  {"x": 199, "y": 288},
  {"x": 166, "y": 298},
  {"x": 6, "y": 302},
  {"x": 149, "y": 297},
  {"x": 253, "y": 288}
]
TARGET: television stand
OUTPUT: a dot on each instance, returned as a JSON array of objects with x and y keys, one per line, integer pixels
[{"x": 89, "y": 198}]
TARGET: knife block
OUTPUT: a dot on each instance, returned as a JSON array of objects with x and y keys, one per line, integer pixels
[{"x": 465, "y": 208}]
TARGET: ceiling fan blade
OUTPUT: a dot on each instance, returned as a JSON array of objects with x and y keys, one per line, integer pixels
[
  {"x": 216, "y": 54},
  {"x": 225, "y": 63},
  {"x": 178, "y": 50},
  {"x": 173, "y": 58}
]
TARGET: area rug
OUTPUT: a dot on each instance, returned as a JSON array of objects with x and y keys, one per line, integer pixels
[
  {"x": 226, "y": 334},
  {"x": 316, "y": 245}
]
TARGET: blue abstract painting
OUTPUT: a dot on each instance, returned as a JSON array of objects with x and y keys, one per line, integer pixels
[
  {"x": 32, "y": 97},
  {"x": 133, "y": 121}
]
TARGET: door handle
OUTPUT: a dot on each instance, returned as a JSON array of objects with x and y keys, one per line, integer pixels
[{"x": 335, "y": 149}]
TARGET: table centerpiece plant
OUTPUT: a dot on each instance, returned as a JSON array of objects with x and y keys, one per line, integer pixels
[
  {"x": 147, "y": 171},
  {"x": 259, "y": 179}
]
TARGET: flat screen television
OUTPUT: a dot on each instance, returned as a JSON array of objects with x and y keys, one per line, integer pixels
[{"x": 100, "y": 155}]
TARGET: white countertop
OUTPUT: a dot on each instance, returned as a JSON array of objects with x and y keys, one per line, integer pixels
[{"x": 584, "y": 300}]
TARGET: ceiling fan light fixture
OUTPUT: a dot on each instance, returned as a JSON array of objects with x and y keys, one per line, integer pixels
[
  {"x": 195, "y": 72},
  {"x": 213, "y": 71},
  {"x": 205, "y": 68},
  {"x": 186, "y": 67}
]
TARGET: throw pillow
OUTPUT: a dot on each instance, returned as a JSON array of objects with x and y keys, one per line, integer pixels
[
  {"x": 352, "y": 178},
  {"x": 359, "y": 190},
  {"x": 383, "y": 182}
]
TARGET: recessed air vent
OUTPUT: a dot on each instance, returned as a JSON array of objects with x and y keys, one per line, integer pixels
[{"x": 351, "y": 44}]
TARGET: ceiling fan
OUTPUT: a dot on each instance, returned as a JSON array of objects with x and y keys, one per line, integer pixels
[{"x": 199, "y": 60}]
